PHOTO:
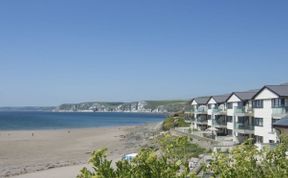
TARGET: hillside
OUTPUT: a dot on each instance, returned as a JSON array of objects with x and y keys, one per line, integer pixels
[{"x": 138, "y": 106}]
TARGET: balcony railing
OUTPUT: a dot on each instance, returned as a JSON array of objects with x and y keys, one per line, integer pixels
[
  {"x": 201, "y": 110},
  {"x": 280, "y": 112},
  {"x": 219, "y": 123},
  {"x": 219, "y": 111},
  {"x": 244, "y": 128},
  {"x": 202, "y": 120},
  {"x": 243, "y": 111}
]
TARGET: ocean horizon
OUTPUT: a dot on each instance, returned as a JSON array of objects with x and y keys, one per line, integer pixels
[{"x": 35, "y": 120}]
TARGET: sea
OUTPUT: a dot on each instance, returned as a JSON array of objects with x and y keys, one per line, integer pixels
[{"x": 17, "y": 120}]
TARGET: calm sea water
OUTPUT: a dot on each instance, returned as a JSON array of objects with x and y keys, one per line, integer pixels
[{"x": 58, "y": 120}]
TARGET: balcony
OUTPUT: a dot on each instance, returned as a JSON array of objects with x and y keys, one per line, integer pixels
[
  {"x": 244, "y": 128},
  {"x": 201, "y": 110},
  {"x": 219, "y": 124},
  {"x": 279, "y": 112},
  {"x": 243, "y": 111},
  {"x": 219, "y": 111},
  {"x": 202, "y": 120}
]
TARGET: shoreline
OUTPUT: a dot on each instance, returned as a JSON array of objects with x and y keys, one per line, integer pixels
[{"x": 28, "y": 151}]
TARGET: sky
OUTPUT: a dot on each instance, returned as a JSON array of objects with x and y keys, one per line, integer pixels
[{"x": 54, "y": 52}]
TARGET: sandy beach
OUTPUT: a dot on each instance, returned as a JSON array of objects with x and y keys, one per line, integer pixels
[{"x": 65, "y": 151}]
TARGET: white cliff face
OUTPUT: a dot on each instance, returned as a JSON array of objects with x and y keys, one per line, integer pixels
[{"x": 139, "y": 106}]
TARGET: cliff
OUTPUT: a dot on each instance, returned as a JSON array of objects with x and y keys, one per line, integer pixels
[{"x": 138, "y": 106}]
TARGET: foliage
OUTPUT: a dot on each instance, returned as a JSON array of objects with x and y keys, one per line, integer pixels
[
  {"x": 146, "y": 165},
  {"x": 247, "y": 161},
  {"x": 172, "y": 122},
  {"x": 171, "y": 161},
  {"x": 179, "y": 148}
]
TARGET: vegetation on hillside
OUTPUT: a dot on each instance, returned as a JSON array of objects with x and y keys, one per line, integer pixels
[
  {"x": 172, "y": 122},
  {"x": 247, "y": 161},
  {"x": 170, "y": 161}
]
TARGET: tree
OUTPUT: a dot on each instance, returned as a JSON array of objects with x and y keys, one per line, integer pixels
[
  {"x": 247, "y": 161},
  {"x": 146, "y": 165},
  {"x": 171, "y": 161}
]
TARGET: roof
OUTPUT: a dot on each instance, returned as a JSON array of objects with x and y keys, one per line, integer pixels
[
  {"x": 202, "y": 100},
  {"x": 281, "y": 123},
  {"x": 244, "y": 95},
  {"x": 221, "y": 98},
  {"x": 281, "y": 90}
]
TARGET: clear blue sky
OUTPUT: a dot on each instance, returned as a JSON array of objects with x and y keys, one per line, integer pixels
[{"x": 53, "y": 52}]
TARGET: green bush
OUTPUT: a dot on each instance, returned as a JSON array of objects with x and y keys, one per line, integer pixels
[
  {"x": 146, "y": 165},
  {"x": 179, "y": 148},
  {"x": 247, "y": 161},
  {"x": 172, "y": 122}
]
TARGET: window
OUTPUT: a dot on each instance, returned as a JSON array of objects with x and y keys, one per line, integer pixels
[
  {"x": 278, "y": 102},
  {"x": 258, "y": 122},
  {"x": 209, "y": 117},
  {"x": 229, "y": 118},
  {"x": 229, "y": 105},
  {"x": 240, "y": 105},
  {"x": 257, "y": 104},
  {"x": 259, "y": 139},
  {"x": 209, "y": 106}
]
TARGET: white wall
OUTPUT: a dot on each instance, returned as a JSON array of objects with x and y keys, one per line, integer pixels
[
  {"x": 265, "y": 113},
  {"x": 233, "y": 99}
]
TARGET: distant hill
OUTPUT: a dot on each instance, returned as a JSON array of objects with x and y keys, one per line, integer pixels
[
  {"x": 28, "y": 108},
  {"x": 137, "y": 106}
]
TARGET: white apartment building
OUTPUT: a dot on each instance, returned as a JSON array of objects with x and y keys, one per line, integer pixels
[
  {"x": 240, "y": 123},
  {"x": 216, "y": 114},
  {"x": 200, "y": 112},
  {"x": 269, "y": 105},
  {"x": 243, "y": 115}
]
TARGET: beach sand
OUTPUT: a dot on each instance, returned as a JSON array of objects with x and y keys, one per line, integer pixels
[{"x": 64, "y": 152}]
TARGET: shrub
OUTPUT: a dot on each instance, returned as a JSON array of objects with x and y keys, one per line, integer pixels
[{"x": 172, "y": 122}]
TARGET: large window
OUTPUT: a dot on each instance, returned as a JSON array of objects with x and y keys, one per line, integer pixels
[
  {"x": 257, "y": 104},
  {"x": 278, "y": 102},
  {"x": 229, "y": 105},
  {"x": 258, "y": 121}
]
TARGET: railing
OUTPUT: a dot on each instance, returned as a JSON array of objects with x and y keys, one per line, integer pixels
[
  {"x": 219, "y": 111},
  {"x": 202, "y": 120},
  {"x": 201, "y": 110},
  {"x": 243, "y": 110},
  {"x": 280, "y": 111},
  {"x": 242, "y": 126},
  {"x": 219, "y": 123}
]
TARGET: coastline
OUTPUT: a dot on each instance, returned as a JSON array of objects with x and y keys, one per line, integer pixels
[{"x": 28, "y": 151}]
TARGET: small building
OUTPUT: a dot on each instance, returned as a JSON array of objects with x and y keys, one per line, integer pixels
[{"x": 281, "y": 126}]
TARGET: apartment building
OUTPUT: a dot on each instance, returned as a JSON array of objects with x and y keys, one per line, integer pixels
[
  {"x": 200, "y": 112},
  {"x": 216, "y": 114},
  {"x": 242, "y": 115},
  {"x": 269, "y": 105},
  {"x": 240, "y": 122}
]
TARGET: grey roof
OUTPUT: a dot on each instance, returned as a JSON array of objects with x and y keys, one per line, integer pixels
[
  {"x": 281, "y": 90},
  {"x": 221, "y": 98},
  {"x": 202, "y": 100},
  {"x": 246, "y": 95},
  {"x": 281, "y": 123}
]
